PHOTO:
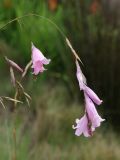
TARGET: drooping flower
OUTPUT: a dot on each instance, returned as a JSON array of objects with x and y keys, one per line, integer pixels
[
  {"x": 83, "y": 127},
  {"x": 91, "y": 119},
  {"x": 92, "y": 113},
  {"x": 80, "y": 76},
  {"x": 83, "y": 86},
  {"x": 92, "y": 95},
  {"x": 38, "y": 60}
]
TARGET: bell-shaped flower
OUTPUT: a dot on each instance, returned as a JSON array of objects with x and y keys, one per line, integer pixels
[
  {"x": 87, "y": 124},
  {"x": 92, "y": 113},
  {"x": 80, "y": 76},
  {"x": 83, "y": 127},
  {"x": 38, "y": 60},
  {"x": 92, "y": 95}
]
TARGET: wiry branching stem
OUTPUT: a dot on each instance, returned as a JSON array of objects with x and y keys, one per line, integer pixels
[{"x": 50, "y": 21}]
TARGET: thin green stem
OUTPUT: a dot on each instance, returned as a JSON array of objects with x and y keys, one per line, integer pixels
[
  {"x": 50, "y": 21},
  {"x": 36, "y": 15}
]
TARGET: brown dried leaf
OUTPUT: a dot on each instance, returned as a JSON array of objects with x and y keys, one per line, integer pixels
[
  {"x": 28, "y": 102},
  {"x": 15, "y": 97},
  {"x": 26, "y": 69},
  {"x": 12, "y": 99},
  {"x": 13, "y": 64},
  {"x": 27, "y": 95},
  {"x": 12, "y": 76},
  {"x": 20, "y": 85},
  {"x": 1, "y": 101}
]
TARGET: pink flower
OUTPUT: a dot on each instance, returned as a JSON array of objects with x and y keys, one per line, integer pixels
[
  {"x": 82, "y": 127},
  {"x": 82, "y": 84},
  {"x": 80, "y": 76},
  {"x": 91, "y": 119},
  {"x": 92, "y": 114},
  {"x": 92, "y": 95},
  {"x": 38, "y": 60}
]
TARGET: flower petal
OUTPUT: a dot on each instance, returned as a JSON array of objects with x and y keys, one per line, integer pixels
[
  {"x": 82, "y": 127},
  {"x": 46, "y": 61},
  {"x": 38, "y": 59},
  {"x": 92, "y": 95},
  {"x": 92, "y": 112},
  {"x": 80, "y": 76},
  {"x": 36, "y": 54}
]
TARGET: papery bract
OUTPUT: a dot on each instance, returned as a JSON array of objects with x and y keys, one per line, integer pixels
[{"x": 38, "y": 60}]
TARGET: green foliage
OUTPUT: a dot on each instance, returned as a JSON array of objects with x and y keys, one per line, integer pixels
[
  {"x": 42, "y": 32},
  {"x": 94, "y": 35},
  {"x": 48, "y": 131}
]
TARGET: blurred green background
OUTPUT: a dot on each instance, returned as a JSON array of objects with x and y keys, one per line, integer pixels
[{"x": 44, "y": 131}]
